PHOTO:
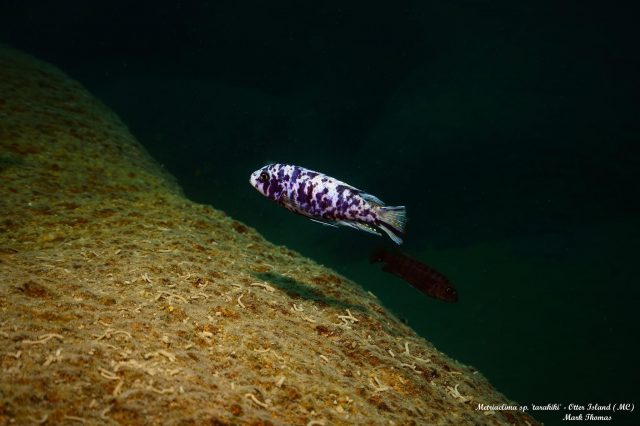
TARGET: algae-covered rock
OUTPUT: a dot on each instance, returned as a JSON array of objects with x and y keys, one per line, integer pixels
[{"x": 123, "y": 302}]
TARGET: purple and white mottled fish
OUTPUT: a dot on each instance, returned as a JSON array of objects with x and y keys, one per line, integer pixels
[{"x": 327, "y": 200}]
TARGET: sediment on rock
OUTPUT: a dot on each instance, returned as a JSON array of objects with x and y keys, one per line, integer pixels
[{"x": 123, "y": 302}]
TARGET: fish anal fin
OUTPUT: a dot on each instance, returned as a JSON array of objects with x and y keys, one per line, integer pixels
[
  {"x": 361, "y": 226},
  {"x": 391, "y": 233}
]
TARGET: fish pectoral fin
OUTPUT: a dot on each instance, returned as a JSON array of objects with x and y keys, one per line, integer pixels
[
  {"x": 325, "y": 223},
  {"x": 360, "y": 226},
  {"x": 286, "y": 202}
]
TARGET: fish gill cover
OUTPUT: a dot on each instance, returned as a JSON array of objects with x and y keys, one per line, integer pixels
[{"x": 122, "y": 301}]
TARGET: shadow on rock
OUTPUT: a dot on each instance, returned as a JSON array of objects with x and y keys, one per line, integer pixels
[{"x": 298, "y": 289}]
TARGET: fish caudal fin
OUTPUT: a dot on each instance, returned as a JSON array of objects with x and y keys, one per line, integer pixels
[{"x": 392, "y": 220}]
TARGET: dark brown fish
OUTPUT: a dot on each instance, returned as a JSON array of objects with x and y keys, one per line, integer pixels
[{"x": 421, "y": 276}]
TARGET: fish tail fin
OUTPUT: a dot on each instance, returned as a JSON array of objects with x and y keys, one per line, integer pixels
[
  {"x": 392, "y": 220},
  {"x": 377, "y": 255}
]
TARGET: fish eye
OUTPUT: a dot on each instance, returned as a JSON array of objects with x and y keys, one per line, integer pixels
[{"x": 264, "y": 177}]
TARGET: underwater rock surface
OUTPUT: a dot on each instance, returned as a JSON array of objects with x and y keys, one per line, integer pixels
[{"x": 122, "y": 302}]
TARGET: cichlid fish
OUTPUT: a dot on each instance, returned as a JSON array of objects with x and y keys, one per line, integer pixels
[
  {"x": 420, "y": 276},
  {"x": 327, "y": 200}
]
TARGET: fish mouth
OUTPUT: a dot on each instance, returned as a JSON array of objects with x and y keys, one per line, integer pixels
[{"x": 253, "y": 179}]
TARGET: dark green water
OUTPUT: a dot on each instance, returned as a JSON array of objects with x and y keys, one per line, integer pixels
[{"x": 510, "y": 130}]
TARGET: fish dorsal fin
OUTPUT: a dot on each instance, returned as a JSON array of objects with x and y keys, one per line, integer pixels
[
  {"x": 361, "y": 226},
  {"x": 372, "y": 199}
]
